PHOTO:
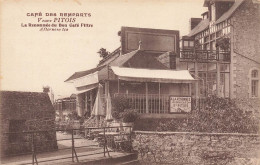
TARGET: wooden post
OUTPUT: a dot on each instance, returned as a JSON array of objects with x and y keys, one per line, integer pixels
[
  {"x": 218, "y": 80},
  {"x": 34, "y": 159},
  {"x": 159, "y": 97},
  {"x": 91, "y": 101},
  {"x": 104, "y": 148},
  {"x": 72, "y": 145},
  {"x": 146, "y": 97},
  {"x": 86, "y": 103}
]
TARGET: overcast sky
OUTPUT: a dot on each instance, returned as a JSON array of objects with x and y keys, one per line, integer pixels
[{"x": 31, "y": 59}]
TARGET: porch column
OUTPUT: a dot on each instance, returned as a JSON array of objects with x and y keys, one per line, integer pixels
[
  {"x": 106, "y": 89},
  {"x": 86, "y": 103},
  {"x": 146, "y": 97},
  {"x": 196, "y": 83},
  {"x": 91, "y": 101},
  {"x": 79, "y": 104},
  {"x": 106, "y": 95},
  {"x": 218, "y": 80}
]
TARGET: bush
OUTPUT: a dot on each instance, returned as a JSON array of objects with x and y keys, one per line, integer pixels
[
  {"x": 119, "y": 104},
  {"x": 129, "y": 115},
  {"x": 172, "y": 125},
  {"x": 219, "y": 115},
  {"x": 74, "y": 116}
]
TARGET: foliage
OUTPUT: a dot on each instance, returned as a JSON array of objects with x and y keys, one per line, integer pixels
[
  {"x": 46, "y": 89},
  {"x": 119, "y": 105},
  {"x": 129, "y": 115},
  {"x": 223, "y": 43},
  {"x": 219, "y": 115},
  {"x": 172, "y": 125},
  {"x": 74, "y": 116},
  {"x": 103, "y": 52}
]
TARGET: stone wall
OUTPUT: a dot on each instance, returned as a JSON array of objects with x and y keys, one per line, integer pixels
[
  {"x": 245, "y": 28},
  {"x": 25, "y": 112},
  {"x": 180, "y": 148}
]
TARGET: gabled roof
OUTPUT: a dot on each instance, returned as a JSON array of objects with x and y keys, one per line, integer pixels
[
  {"x": 120, "y": 61},
  {"x": 115, "y": 61},
  {"x": 205, "y": 23},
  {"x": 12, "y": 102},
  {"x": 200, "y": 27},
  {"x": 230, "y": 12},
  {"x": 84, "y": 73}
]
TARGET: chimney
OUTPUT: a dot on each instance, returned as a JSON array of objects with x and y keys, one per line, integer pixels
[
  {"x": 194, "y": 22},
  {"x": 47, "y": 89}
]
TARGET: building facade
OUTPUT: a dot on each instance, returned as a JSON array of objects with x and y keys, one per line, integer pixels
[
  {"x": 221, "y": 53},
  {"x": 228, "y": 36},
  {"x": 136, "y": 71}
]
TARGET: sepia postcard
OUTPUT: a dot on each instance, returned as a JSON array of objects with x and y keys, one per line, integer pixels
[{"x": 130, "y": 82}]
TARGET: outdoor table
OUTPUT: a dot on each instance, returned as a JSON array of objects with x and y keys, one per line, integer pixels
[
  {"x": 110, "y": 137},
  {"x": 92, "y": 130}
]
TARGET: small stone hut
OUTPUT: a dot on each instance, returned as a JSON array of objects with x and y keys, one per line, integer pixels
[{"x": 26, "y": 112}]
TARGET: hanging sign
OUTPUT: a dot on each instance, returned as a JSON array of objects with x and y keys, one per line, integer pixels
[{"x": 180, "y": 104}]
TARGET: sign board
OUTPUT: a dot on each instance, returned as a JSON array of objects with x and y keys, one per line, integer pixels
[
  {"x": 180, "y": 104},
  {"x": 152, "y": 40}
]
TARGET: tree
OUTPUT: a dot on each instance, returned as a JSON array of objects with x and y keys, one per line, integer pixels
[{"x": 103, "y": 52}]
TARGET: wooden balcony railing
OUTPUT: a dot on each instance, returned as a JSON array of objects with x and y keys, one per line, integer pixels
[{"x": 205, "y": 55}]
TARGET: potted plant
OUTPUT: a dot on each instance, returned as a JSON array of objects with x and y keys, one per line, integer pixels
[{"x": 128, "y": 117}]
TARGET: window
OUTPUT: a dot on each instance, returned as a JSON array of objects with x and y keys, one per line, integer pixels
[
  {"x": 186, "y": 43},
  {"x": 191, "y": 43},
  {"x": 254, "y": 83}
]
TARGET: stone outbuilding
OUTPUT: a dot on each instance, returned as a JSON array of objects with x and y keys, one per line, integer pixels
[{"x": 26, "y": 112}]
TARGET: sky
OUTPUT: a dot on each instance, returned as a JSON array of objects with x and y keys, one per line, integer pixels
[{"x": 31, "y": 59}]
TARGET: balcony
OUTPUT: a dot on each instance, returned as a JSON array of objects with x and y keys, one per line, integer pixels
[{"x": 204, "y": 55}]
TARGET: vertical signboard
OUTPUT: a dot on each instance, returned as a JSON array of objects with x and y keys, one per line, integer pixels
[{"x": 180, "y": 104}]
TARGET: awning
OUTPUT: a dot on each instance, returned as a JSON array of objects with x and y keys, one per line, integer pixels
[
  {"x": 86, "y": 80},
  {"x": 86, "y": 88},
  {"x": 153, "y": 75}
]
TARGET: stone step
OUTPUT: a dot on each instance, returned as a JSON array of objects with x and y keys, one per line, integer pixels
[{"x": 128, "y": 159}]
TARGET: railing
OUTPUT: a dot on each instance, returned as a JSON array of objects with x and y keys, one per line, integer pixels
[
  {"x": 32, "y": 141},
  {"x": 206, "y": 55},
  {"x": 156, "y": 103}
]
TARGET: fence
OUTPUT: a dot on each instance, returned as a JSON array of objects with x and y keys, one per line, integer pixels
[
  {"x": 156, "y": 103},
  {"x": 104, "y": 140}
]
